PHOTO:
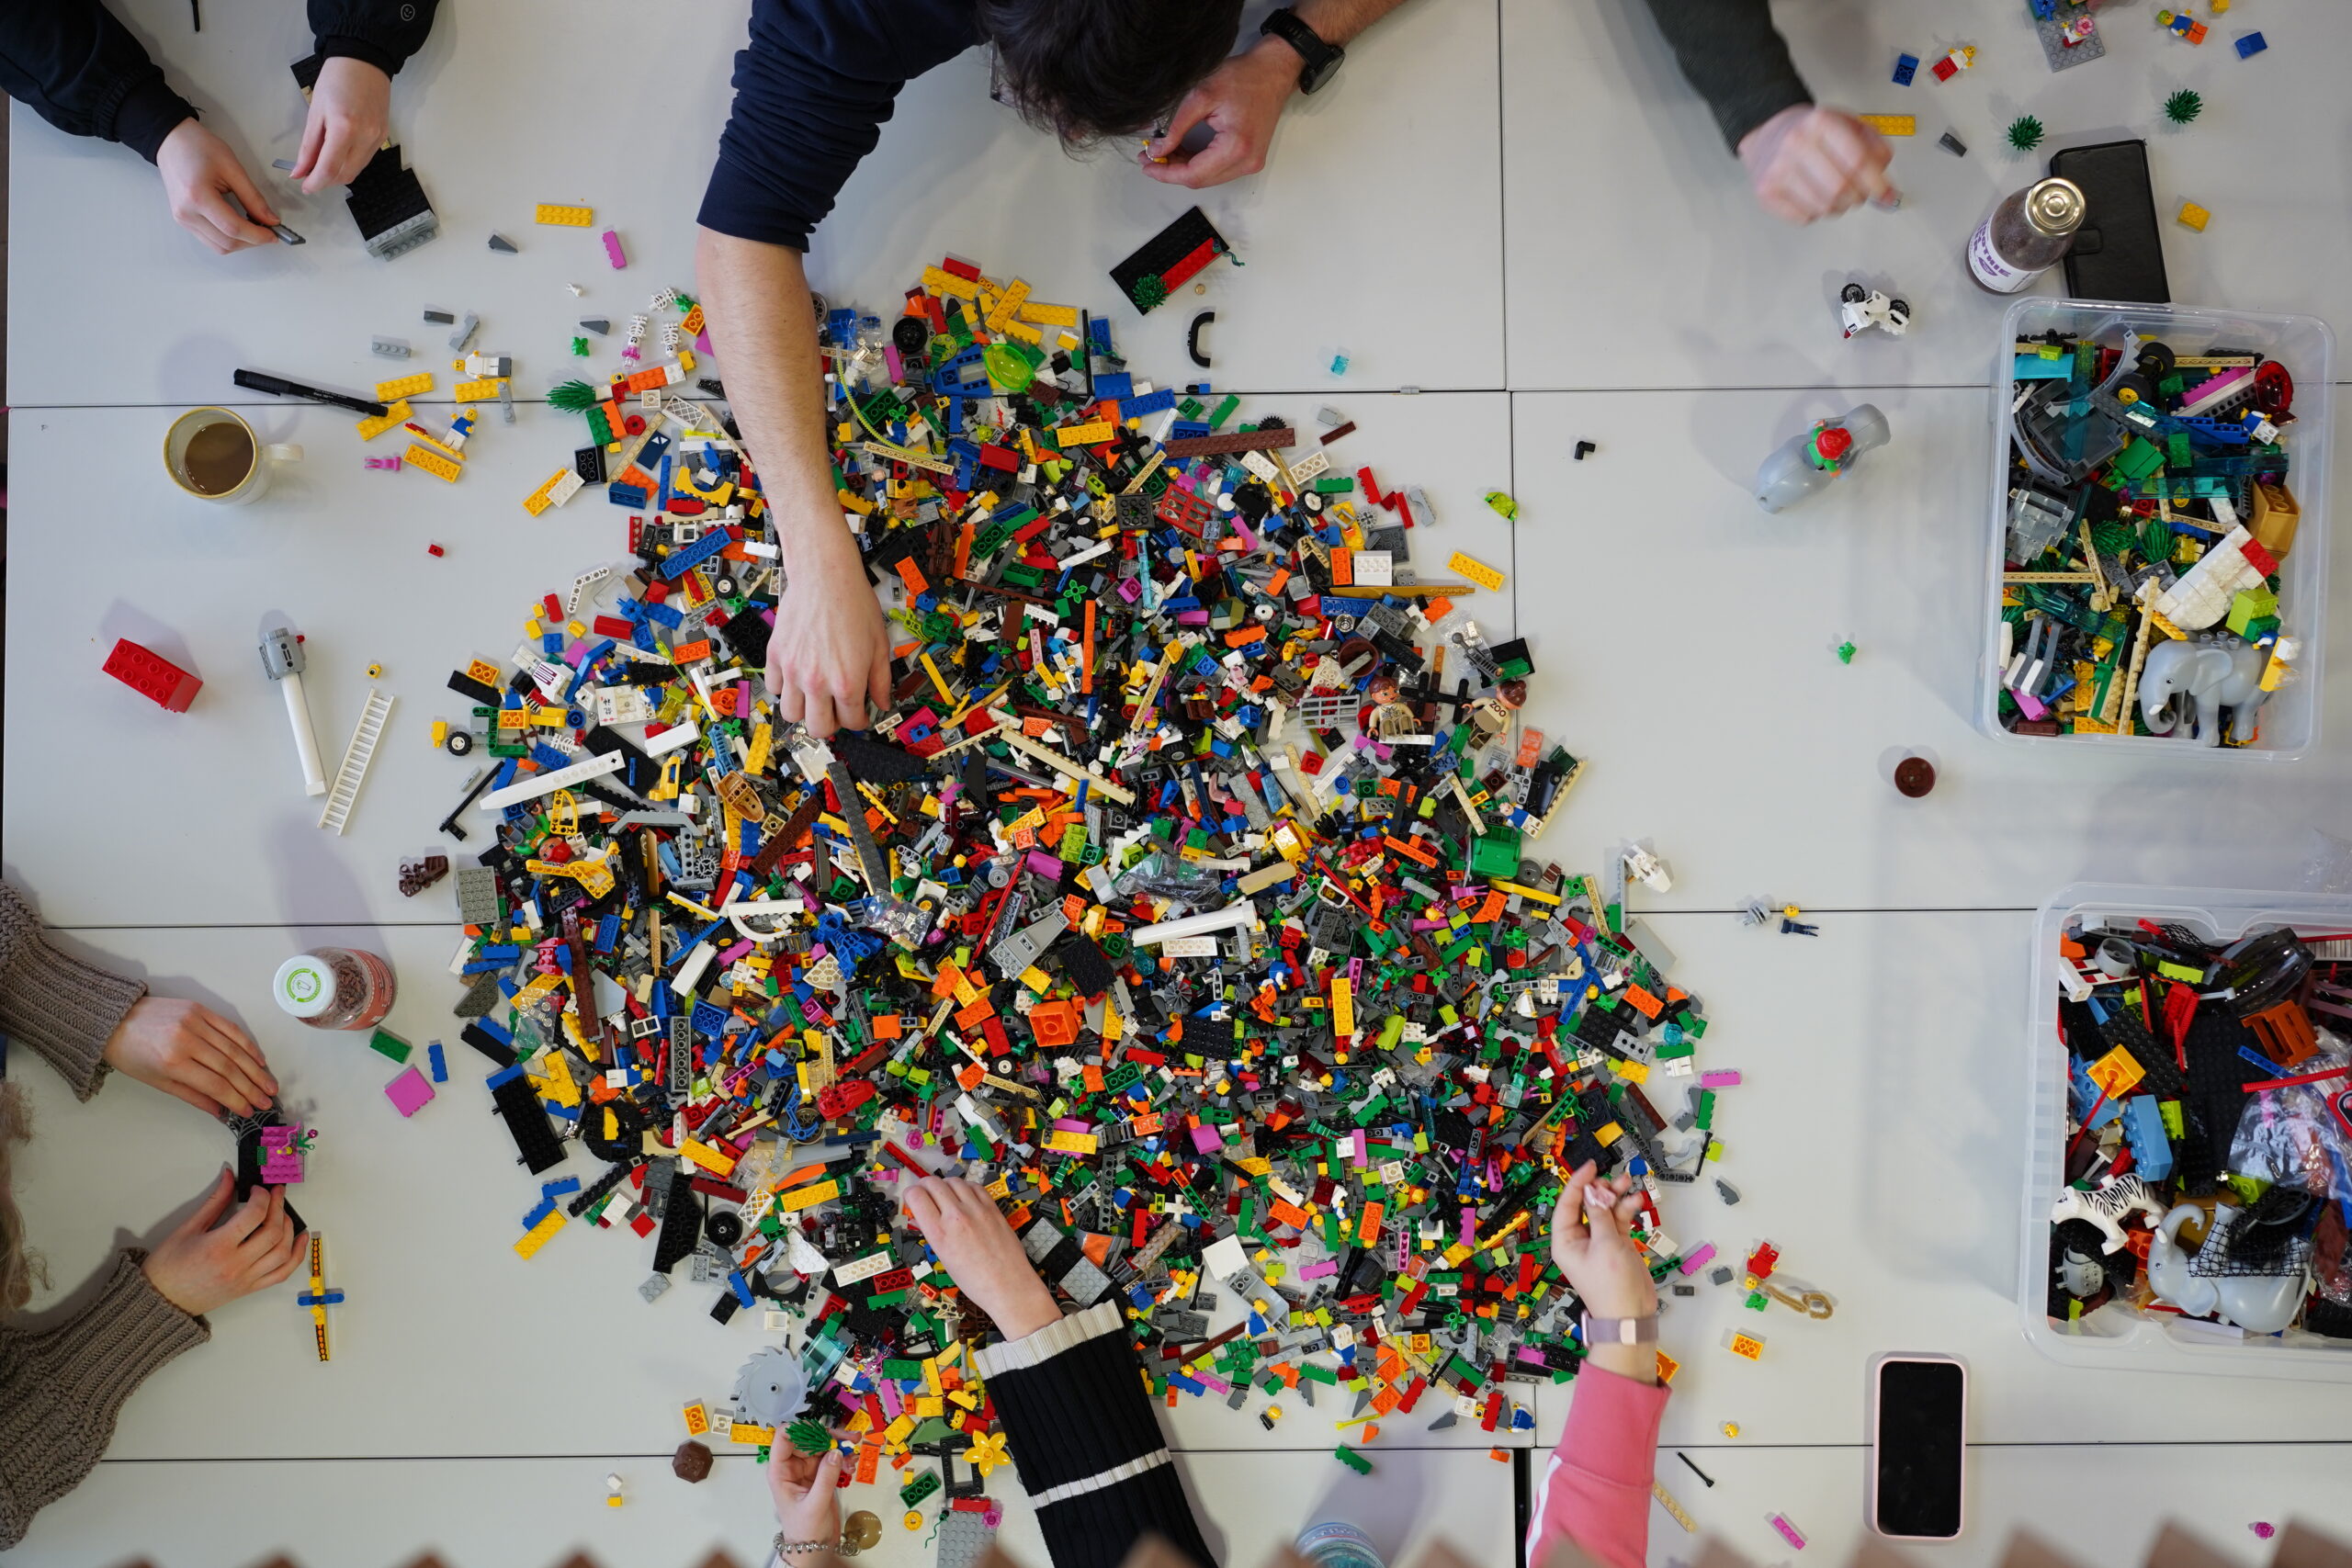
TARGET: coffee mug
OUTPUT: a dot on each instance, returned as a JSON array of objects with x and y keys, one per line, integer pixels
[{"x": 214, "y": 455}]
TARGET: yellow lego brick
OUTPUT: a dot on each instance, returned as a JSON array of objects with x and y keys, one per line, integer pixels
[
  {"x": 1064, "y": 1141},
  {"x": 483, "y": 391},
  {"x": 540, "y": 499},
  {"x": 2193, "y": 216},
  {"x": 393, "y": 417},
  {"x": 1020, "y": 333},
  {"x": 1477, "y": 571},
  {"x": 1048, "y": 315},
  {"x": 1087, "y": 435},
  {"x": 939, "y": 281},
  {"x": 1343, "y": 1007},
  {"x": 715, "y": 1161},
  {"x": 538, "y": 1235},
  {"x": 564, "y": 216},
  {"x": 697, "y": 1416},
  {"x": 406, "y": 387},
  {"x": 1891, "y": 124},
  {"x": 420, "y": 456},
  {"x": 755, "y": 1435},
  {"x": 807, "y": 1197},
  {"x": 1007, "y": 304}
]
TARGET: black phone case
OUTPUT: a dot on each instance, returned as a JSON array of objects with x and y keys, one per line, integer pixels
[{"x": 2118, "y": 252}]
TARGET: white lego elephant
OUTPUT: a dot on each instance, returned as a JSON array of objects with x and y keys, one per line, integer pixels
[
  {"x": 2185, "y": 684},
  {"x": 2258, "y": 1305}
]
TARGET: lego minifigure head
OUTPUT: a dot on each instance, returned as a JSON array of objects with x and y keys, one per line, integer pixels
[
  {"x": 1087, "y": 69},
  {"x": 1513, "y": 693}
]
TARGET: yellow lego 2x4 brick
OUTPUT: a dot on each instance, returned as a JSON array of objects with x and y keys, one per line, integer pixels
[
  {"x": 393, "y": 416},
  {"x": 1477, "y": 571},
  {"x": 406, "y": 387},
  {"x": 1891, "y": 124},
  {"x": 483, "y": 391},
  {"x": 564, "y": 216},
  {"x": 420, "y": 456}
]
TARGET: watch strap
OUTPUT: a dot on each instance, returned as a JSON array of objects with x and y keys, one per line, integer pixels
[
  {"x": 1620, "y": 1330},
  {"x": 1320, "y": 58}
]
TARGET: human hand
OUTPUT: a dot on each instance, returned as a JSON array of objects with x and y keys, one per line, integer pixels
[
  {"x": 808, "y": 1501},
  {"x": 200, "y": 176},
  {"x": 1241, "y": 100},
  {"x": 1807, "y": 161},
  {"x": 350, "y": 103},
  {"x": 978, "y": 1248},
  {"x": 199, "y": 1268},
  {"x": 1592, "y": 1249},
  {"x": 193, "y": 1054},
  {"x": 830, "y": 651}
]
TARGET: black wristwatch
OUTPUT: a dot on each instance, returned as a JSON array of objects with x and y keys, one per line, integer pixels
[{"x": 1321, "y": 59}]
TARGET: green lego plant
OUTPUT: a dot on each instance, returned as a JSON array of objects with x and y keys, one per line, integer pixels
[
  {"x": 2025, "y": 133},
  {"x": 2183, "y": 107}
]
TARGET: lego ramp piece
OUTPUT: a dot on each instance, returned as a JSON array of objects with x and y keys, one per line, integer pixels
[{"x": 344, "y": 794}]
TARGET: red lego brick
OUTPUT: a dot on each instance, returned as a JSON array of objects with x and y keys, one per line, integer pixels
[{"x": 150, "y": 675}]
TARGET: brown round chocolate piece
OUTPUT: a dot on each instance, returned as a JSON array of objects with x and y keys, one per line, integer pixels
[
  {"x": 1914, "y": 776},
  {"x": 861, "y": 1530},
  {"x": 691, "y": 1462}
]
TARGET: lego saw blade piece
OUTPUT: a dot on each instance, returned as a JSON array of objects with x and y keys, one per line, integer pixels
[{"x": 772, "y": 1387}]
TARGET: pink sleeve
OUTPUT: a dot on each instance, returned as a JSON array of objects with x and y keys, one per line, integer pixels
[{"x": 1596, "y": 1492}]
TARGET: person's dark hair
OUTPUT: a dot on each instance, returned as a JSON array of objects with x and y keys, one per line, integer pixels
[{"x": 1087, "y": 69}]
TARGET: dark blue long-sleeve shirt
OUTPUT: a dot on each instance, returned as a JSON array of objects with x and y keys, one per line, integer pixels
[
  {"x": 819, "y": 77},
  {"x": 811, "y": 93}
]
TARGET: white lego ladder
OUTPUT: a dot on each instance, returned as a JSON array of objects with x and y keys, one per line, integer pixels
[{"x": 345, "y": 793}]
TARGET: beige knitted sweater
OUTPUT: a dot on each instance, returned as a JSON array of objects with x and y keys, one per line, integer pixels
[{"x": 59, "y": 1388}]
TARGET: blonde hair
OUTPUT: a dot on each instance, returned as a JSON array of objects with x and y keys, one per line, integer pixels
[{"x": 19, "y": 1267}]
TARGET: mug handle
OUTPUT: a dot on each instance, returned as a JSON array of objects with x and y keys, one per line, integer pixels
[{"x": 283, "y": 453}]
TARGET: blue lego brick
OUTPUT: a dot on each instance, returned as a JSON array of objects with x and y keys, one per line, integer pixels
[
  {"x": 539, "y": 1211},
  {"x": 2143, "y": 1126},
  {"x": 2252, "y": 45},
  {"x": 708, "y": 1020},
  {"x": 1119, "y": 384},
  {"x": 1905, "y": 67},
  {"x": 437, "y": 1061},
  {"x": 677, "y": 563},
  {"x": 1151, "y": 402},
  {"x": 626, "y": 495}
]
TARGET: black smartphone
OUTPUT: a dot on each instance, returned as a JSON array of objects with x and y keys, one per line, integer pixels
[
  {"x": 1918, "y": 1426},
  {"x": 2119, "y": 252}
]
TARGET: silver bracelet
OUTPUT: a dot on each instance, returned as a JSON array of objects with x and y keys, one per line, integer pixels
[{"x": 841, "y": 1546}]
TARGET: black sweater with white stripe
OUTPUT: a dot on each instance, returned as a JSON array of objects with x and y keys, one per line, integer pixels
[{"x": 1083, "y": 1436}]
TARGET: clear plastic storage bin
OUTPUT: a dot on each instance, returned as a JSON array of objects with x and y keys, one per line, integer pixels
[
  {"x": 2307, "y": 348},
  {"x": 2117, "y": 1335}
]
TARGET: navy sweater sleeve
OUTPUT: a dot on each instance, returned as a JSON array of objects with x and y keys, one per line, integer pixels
[
  {"x": 77, "y": 67},
  {"x": 811, "y": 93},
  {"x": 384, "y": 33},
  {"x": 1731, "y": 52}
]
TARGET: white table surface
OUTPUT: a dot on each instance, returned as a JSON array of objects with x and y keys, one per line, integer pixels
[
  {"x": 1878, "y": 1140},
  {"x": 2067, "y": 1497},
  {"x": 1636, "y": 256},
  {"x": 474, "y": 1513},
  {"x": 443, "y": 1320},
  {"x": 1682, "y": 639},
  {"x": 1399, "y": 161},
  {"x": 1687, "y": 651},
  {"x": 340, "y": 551}
]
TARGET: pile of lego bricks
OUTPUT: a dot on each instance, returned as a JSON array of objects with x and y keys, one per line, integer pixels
[
  {"x": 1181, "y": 900},
  {"x": 2148, "y": 503},
  {"x": 2209, "y": 1155}
]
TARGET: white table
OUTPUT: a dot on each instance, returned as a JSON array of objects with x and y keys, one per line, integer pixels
[
  {"x": 475, "y": 1510},
  {"x": 341, "y": 552},
  {"x": 1878, "y": 1140},
  {"x": 1398, "y": 160},
  {"x": 1683, "y": 643},
  {"x": 1636, "y": 256}
]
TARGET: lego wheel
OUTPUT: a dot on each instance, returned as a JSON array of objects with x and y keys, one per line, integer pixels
[
  {"x": 460, "y": 744},
  {"x": 1853, "y": 294}
]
